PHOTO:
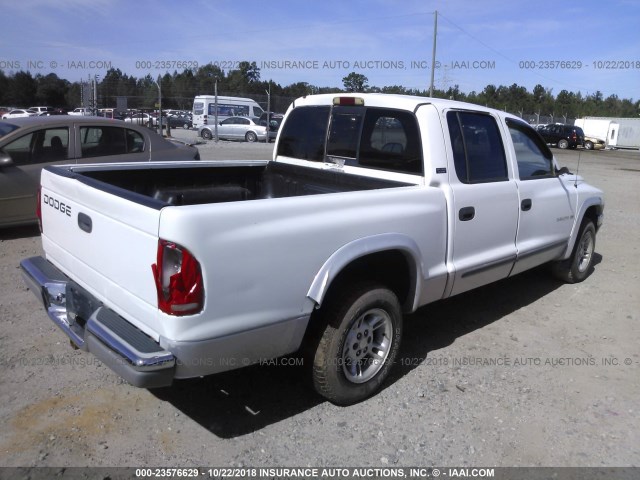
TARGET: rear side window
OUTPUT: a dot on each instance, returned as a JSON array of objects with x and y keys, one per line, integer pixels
[
  {"x": 229, "y": 110},
  {"x": 379, "y": 138},
  {"x": 198, "y": 108},
  {"x": 478, "y": 151},
  {"x": 101, "y": 141}
]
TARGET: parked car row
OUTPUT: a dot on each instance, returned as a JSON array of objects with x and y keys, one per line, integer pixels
[
  {"x": 177, "y": 118},
  {"x": 171, "y": 117}
]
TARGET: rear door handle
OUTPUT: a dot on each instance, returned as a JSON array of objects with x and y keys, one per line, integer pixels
[
  {"x": 467, "y": 213},
  {"x": 525, "y": 205}
]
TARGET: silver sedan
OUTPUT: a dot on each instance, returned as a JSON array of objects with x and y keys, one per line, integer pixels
[
  {"x": 235, "y": 128},
  {"x": 29, "y": 144}
]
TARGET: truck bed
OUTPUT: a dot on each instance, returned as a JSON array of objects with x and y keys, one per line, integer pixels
[{"x": 211, "y": 183}]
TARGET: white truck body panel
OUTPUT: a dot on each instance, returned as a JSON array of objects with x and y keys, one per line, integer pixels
[{"x": 268, "y": 262}]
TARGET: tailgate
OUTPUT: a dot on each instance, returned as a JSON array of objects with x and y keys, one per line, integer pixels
[{"x": 104, "y": 242}]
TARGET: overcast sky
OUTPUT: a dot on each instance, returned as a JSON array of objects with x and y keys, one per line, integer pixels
[{"x": 578, "y": 46}]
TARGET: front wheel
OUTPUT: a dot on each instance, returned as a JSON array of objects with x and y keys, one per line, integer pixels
[
  {"x": 588, "y": 145},
  {"x": 577, "y": 267},
  {"x": 362, "y": 330}
]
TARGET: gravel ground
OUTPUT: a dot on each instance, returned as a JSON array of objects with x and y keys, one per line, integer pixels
[{"x": 525, "y": 372}]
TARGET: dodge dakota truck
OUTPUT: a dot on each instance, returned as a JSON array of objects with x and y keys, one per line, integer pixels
[{"x": 372, "y": 206}]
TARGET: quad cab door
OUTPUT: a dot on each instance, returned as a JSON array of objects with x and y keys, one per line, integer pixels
[
  {"x": 547, "y": 203},
  {"x": 484, "y": 201}
]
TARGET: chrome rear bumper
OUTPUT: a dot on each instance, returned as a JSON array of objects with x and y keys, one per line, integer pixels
[{"x": 92, "y": 327}]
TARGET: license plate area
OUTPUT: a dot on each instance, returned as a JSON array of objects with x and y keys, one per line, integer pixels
[{"x": 80, "y": 304}]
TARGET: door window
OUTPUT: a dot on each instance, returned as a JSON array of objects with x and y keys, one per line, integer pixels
[
  {"x": 478, "y": 151},
  {"x": 532, "y": 155},
  {"x": 47, "y": 145}
]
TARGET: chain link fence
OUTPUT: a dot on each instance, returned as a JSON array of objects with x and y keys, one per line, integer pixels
[
  {"x": 537, "y": 119},
  {"x": 276, "y": 104}
]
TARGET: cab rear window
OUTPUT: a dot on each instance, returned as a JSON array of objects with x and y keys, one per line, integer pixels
[{"x": 378, "y": 138}]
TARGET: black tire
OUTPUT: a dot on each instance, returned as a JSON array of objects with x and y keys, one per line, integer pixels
[
  {"x": 563, "y": 143},
  {"x": 251, "y": 137},
  {"x": 206, "y": 134},
  {"x": 186, "y": 126},
  {"x": 358, "y": 343},
  {"x": 578, "y": 266},
  {"x": 588, "y": 145}
]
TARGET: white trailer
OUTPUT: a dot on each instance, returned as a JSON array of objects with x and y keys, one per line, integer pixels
[{"x": 615, "y": 132}]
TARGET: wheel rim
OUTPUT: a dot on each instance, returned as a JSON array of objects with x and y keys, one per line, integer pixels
[
  {"x": 367, "y": 345},
  {"x": 585, "y": 251},
  {"x": 251, "y": 137}
]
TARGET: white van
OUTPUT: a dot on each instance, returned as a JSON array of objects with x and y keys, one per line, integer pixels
[{"x": 204, "y": 109}]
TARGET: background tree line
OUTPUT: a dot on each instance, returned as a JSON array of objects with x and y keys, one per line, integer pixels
[{"x": 21, "y": 89}]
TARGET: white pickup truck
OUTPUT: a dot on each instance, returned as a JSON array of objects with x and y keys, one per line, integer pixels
[{"x": 372, "y": 206}]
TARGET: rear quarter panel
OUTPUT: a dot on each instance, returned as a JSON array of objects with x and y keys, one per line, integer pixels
[{"x": 259, "y": 258}]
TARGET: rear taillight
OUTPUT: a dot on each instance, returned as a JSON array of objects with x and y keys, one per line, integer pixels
[
  {"x": 39, "y": 208},
  {"x": 204, "y": 119},
  {"x": 178, "y": 280}
]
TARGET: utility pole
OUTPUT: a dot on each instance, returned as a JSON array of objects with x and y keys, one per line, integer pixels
[
  {"x": 95, "y": 94},
  {"x": 433, "y": 54},
  {"x": 160, "y": 104},
  {"x": 215, "y": 105},
  {"x": 268, "y": 92}
]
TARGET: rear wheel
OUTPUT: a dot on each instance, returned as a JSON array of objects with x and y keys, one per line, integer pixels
[
  {"x": 358, "y": 344},
  {"x": 251, "y": 137},
  {"x": 185, "y": 126},
  {"x": 563, "y": 143},
  {"x": 577, "y": 267},
  {"x": 206, "y": 134}
]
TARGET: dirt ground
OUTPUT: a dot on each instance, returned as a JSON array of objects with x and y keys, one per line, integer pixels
[{"x": 525, "y": 372}]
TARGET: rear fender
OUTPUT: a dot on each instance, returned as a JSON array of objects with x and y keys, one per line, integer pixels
[{"x": 362, "y": 247}]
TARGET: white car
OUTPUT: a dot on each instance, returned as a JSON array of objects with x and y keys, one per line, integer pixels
[
  {"x": 18, "y": 113},
  {"x": 236, "y": 128},
  {"x": 142, "y": 119},
  {"x": 39, "y": 110},
  {"x": 80, "y": 111}
]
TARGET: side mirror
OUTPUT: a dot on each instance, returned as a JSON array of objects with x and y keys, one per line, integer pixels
[
  {"x": 563, "y": 171},
  {"x": 5, "y": 159}
]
